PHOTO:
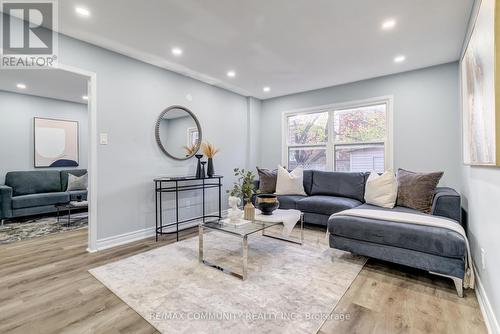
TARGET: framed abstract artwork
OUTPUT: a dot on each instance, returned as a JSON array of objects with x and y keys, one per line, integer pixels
[
  {"x": 55, "y": 143},
  {"x": 481, "y": 89}
]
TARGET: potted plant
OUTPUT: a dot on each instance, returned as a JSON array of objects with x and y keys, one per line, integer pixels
[{"x": 244, "y": 188}]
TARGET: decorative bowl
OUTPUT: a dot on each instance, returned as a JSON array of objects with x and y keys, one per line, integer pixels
[{"x": 267, "y": 203}]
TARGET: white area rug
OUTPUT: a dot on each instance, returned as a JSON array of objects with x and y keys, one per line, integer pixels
[{"x": 289, "y": 289}]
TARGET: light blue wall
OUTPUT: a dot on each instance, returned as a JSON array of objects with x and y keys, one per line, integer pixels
[
  {"x": 481, "y": 194},
  {"x": 130, "y": 97},
  {"x": 16, "y": 128},
  {"x": 426, "y": 117}
]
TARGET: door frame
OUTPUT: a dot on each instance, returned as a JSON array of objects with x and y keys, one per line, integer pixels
[{"x": 92, "y": 158}]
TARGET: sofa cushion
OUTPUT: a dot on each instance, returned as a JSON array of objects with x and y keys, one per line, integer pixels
[
  {"x": 32, "y": 200},
  {"x": 326, "y": 205},
  {"x": 33, "y": 182},
  {"x": 64, "y": 176},
  {"x": 381, "y": 190},
  {"x": 427, "y": 239},
  {"x": 339, "y": 184},
  {"x": 315, "y": 218},
  {"x": 416, "y": 190},
  {"x": 77, "y": 182},
  {"x": 290, "y": 183},
  {"x": 73, "y": 195},
  {"x": 289, "y": 201},
  {"x": 308, "y": 179},
  {"x": 267, "y": 180}
]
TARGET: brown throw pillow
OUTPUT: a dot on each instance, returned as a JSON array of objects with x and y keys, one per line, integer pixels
[
  {"x": 267, "y": 180},
  {"x": 416, "y": 190}
]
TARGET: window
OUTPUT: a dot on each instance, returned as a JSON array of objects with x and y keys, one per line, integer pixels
[
  {"x": 307, "y": 138},
  {"x": 358, "y": 141},
  {"x": 192, "y": 136}
]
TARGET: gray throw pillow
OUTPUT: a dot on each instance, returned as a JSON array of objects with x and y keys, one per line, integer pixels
[
  {"x": 416, "y": 190},
  {"x": 267, "y": 180},
  {"x": 77, "y": 182}
]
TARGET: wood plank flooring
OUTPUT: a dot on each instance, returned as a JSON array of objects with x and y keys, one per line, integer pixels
[{"x": 45, "y": 288}]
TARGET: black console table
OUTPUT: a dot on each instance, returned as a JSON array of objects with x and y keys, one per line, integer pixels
[{"x": 179, "y": 184}]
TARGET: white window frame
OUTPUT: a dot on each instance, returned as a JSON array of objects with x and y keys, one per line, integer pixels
[
  {"x": 190, "y": 132},
  {"x": 330, "y": 108}
]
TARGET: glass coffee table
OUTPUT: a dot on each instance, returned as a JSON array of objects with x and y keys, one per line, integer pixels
[
  {"x": 242, "y": 232},
  {"x": 73, "y": 205}
]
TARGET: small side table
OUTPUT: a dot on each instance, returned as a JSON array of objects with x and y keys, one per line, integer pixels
[{"x": 71, "y": 206}]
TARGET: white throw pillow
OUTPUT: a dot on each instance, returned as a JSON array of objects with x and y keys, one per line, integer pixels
[
  {"x": 381, "y": 190},
  {"x": 290, "y": 183},
  {"x": 77, "y": 182}
]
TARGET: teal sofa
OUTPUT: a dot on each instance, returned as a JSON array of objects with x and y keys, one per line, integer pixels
[{"x": 36, "y": 192}]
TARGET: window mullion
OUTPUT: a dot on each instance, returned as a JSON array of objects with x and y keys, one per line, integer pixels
[{"x": 330, "y": 160}]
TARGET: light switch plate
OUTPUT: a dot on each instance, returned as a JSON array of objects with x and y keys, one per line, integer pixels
[{"x": 103, "y": 139}]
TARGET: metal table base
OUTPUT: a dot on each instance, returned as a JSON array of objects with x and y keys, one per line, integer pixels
[{"x": 244, "y": 249}]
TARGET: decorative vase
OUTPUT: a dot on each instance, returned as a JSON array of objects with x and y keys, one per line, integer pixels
[
  {"x": 249, "y": 211},
  {"x": 267, "y": 203},
  {"x": 202, "y": 173},
  {"x": 198, "y": 166},
  {"x": 210, "y": 167}
]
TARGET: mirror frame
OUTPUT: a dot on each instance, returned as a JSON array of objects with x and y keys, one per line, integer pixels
[{"x": 157, "y": 132}]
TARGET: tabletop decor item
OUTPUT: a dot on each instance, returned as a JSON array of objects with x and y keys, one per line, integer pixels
[
  {"x": 210, "y": 151},
  {"x": 234, "y": 213},
  {"x": 190, "y": 149},
  {"x": 198, "y": 165},
  {"x": 245, "y": 188},
  {"x": 249, "y": 211},
  {"x": 202, "y": 173},
  {"x": 267, "y": 203}
]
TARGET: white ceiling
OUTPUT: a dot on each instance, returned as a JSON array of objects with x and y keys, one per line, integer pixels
[
  {"x": 288, "y": 45},
  {"x": 55, "y": 84}
]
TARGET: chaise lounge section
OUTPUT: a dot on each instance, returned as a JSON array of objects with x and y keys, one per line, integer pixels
[{"x": 437, "y": 250}]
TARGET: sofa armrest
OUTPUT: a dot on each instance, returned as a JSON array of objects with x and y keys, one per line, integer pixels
[
  {"x": 5, "y": 202},
  {"x": 447, "y": 203}
]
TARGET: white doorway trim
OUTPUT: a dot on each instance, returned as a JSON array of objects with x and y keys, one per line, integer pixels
[{"x": 92, "y": 166}]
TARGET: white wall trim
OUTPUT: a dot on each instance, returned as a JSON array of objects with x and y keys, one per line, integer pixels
[
  {"x": 486, "y": 308},
  {"x": 389, "y": 140},
  {"x": 125, "y": 238},
  {"x": 92, "y": 158}
]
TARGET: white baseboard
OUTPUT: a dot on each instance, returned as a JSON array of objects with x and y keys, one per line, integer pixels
[
  {"x": 486, "y": 308},
  {"x": 128, "y": 237},
  {"x": 125, "y": 238}
]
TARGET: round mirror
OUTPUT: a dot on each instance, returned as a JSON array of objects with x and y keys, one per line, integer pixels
[{"x": 178, "y": 133}]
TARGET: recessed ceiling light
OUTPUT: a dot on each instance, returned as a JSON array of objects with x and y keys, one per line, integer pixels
[
  {"x": 389, "y": 24},
  {"x": 399, "y": 59},
  {"x": 21, "y": 86},
  {"x": 266, "y": 89},
  {"x": 82, "y": 11},
  {"x": 231, "y": 74},
  {"x": 85, "y": 97},
  {"x": 176, "y": 51}
]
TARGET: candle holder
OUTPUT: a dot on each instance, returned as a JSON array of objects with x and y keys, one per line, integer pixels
[
  {"x": 202, "y": 174},
  {"x": 198, "y": 166}
]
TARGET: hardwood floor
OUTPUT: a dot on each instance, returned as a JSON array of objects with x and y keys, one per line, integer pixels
[{"x": 45, "y": 288}]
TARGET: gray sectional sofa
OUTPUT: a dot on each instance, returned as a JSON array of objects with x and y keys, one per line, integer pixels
[
  {"x": 36, "y": 192},
  {"x": 433, "y": 249}
]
